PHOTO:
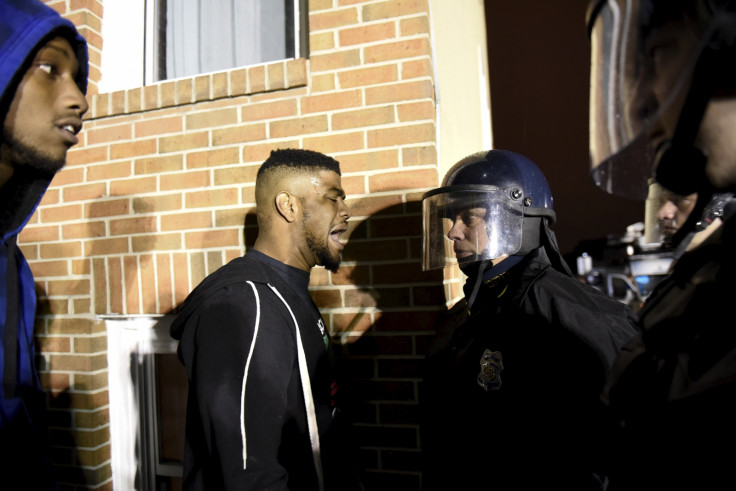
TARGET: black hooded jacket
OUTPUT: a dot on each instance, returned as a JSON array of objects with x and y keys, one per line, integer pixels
[
  {"x": 511, "y": 393},
  {"x": 247, "y": 425}
]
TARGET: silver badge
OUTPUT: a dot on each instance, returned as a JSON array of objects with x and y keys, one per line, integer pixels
[{"x": 491, "y": 366}]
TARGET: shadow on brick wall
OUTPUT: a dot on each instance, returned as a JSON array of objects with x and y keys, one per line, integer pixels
[{"x": 394, "y": 306}]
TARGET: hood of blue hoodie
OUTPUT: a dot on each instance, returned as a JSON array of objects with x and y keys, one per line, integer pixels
[{"x": 25, "y": 27}]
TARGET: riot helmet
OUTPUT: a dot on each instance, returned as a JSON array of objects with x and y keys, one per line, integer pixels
[
  {"x": 490, "y": 206},
  {"x": 655, "y": 65}
]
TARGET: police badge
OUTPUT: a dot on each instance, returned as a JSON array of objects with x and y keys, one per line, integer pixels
[{"x": 491, "y": 366}]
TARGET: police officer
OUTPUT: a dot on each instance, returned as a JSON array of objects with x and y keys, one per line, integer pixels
[
  {"x": 510, "y": 396},
  {"x": 663, "y": 81}
]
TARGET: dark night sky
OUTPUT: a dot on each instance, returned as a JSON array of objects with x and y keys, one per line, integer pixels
[{"x": 539, "y": 64}]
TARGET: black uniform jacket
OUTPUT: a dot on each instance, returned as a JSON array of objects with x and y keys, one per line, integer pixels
[
  {"x": 246, "y": 423},
  {"x": 511, "y": 394},
  {"x": 672, "y": 392}
]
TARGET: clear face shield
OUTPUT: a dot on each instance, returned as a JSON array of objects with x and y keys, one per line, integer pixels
[
  {"x": 642, "y": 61},
  {"x": 468, "y": 223}
]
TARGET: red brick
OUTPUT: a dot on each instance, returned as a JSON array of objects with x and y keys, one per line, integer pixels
[
  {"x": 416, "y": 69},
  {"x": 344, "y": 142},
  {"x": 276, "y": 76},
  {"x": 85, "y": 230},
  {"x": 236, "y": 175},
  {"x": 181, "y": 278},
  {"x": 300, "y": 126},
  {"x": 38, "y": 234},
  {"x": 84, "y": 192},
  {"x": 156, "y": 165},
  {"x": 335, "y": 61},
  {"x": 256, "y": 79},
  {"x": 403, "y": 180},
  {"x": 368, "y": 161},
  {"x": 389, "y": 9},
  {"x": 184, "y": 91},
  {"x": 401, "y": 92},
  {"x": 373, "y": 75},
  {"x": 239, "y": 134},
  {"x": 213, "y": 157},
  {"x": 260, "y": 152},
  {"x": 113, "y": 170},
  {"x": 99, "y": 269},
  {"x": 158, "y": 242},
  {"x": 148, "y": 283},
  {"x": 210, "y": 119},
  {"x": 421, "y": 155},
  {"x": 130, "y": 226},
  {"x": 158, "y": 126},
  {"x": 219, "y": 85},
  {"x": 238, "y": 81},
  {"x": 211, "y": 238},
  {"x": 132, "y": 149},
  {"x": 109, "y": 134},
  {"x": 158, "y": 203},
  {"x": 61, "y": 213},
  {"x": 43, "y": 269},
  {"x": 90, "y": 344},
  {"x": 363, "y": 117},
  {"x": 330, "y": 19},
  {"x": 115, "y": 282},
  {"x": 184, "y": 221},
  {"x": 98, "y": 247},
  {"x": 415, "y": 111},
  {"x": 323, "y": 82},
  {"x": 211, "y": 197},
  {"x": 107, "y": 208},
  {"x": 184, "y": 141},
  {"x": 186, "y": 180},
  {"x": 269, "y": 110},
  {"x": 86, "y": 155},
  {"x": 126, "y": 187},
  {"x": 321, "y": 41},
  {"x": 132, "y": 285},
  {"x": 167, "y": 92},
  {"x": 401, "y": 135},
  {"x": 367, "y": 34}
]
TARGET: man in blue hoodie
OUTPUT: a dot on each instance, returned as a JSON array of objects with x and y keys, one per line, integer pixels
[{"x": 43, "y": 81}]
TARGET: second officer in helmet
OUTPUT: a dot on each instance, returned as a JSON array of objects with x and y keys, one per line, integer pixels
[{"x": 510, "y": 397}]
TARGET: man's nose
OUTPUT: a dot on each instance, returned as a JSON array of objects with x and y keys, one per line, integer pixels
[
  {"x": 455, "y": 232},
  {"x": 74, "y": 98},
  {"x": 344, "y": 209}
]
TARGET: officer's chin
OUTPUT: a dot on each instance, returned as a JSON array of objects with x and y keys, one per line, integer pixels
[{"x": 469, "y": 265}]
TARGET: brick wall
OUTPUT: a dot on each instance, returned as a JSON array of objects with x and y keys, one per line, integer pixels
[{"x": 160, "y": 192}]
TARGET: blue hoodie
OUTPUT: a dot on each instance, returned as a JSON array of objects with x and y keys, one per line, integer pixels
[{"x": 25, "y": 26}]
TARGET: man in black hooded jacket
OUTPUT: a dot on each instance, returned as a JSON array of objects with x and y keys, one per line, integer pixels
[{"x": 262, "y": 412}]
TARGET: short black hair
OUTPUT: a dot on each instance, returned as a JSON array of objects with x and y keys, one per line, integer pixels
[{"x": 299, "y": 159}]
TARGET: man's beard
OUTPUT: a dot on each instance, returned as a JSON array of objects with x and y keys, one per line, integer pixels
[
  {"x": 319, "y": 248},
  {"x": 30, "y": 159}
]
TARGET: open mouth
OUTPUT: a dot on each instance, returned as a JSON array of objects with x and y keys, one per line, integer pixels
[
  {"x": 335, "y": 236},
  {"x": 69, "y": 130}
]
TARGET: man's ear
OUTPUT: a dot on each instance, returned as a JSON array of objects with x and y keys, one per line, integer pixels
[{"x": 287, "y": 205}]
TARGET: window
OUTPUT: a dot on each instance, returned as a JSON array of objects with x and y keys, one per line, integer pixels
[
  {"x": 148, "y": 391},
  {"x": 146, "y": 41}
]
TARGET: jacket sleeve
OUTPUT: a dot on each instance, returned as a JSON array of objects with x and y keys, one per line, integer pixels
[{"x": 242, "y": 384}]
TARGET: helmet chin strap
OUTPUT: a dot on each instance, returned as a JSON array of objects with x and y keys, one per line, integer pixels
[{"x": 475, "y": 274}]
